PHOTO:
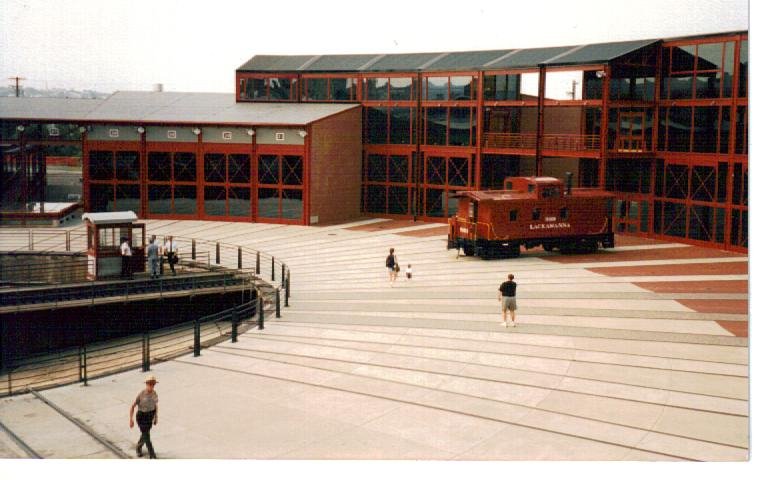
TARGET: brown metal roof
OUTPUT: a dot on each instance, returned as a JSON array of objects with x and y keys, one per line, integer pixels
[{"x": 168, "y": 107}]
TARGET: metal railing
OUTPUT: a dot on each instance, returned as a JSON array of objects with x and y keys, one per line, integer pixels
[
  {"x": 527, "y": 141},
  {"x": 98, "y": 359}
]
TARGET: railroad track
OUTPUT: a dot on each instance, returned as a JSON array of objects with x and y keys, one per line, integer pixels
[{"x": 65, "y": 432}]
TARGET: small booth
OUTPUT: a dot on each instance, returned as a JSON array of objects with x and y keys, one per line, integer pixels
[{"x": 105, "y": 231}]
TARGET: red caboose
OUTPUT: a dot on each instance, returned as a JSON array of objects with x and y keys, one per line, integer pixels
[{"x": 529, "y": 212}]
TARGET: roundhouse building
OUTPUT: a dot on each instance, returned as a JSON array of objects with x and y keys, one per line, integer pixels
[{"x": 662, "y": 123}]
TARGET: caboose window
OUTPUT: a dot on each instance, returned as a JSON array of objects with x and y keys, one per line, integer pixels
[
  {"x": 549, "y": 192},
  {"x": 536, "y": 215},
  {"x": 563, "y": 213},
  {"x": 513, "y": 215},
  {"x": 531, "y": 188}
]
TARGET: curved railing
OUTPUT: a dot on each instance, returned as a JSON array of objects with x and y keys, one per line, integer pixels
[{"x": 265, "y": 274}]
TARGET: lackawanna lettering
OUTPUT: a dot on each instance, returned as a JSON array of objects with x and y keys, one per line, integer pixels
[{"x": 548, "y": 226}]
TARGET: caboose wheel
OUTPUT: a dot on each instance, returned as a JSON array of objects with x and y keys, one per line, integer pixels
[
  {"x": 514, "y": 251},
  {"x": 548, "y": 247},
  {"x": 469, "y": 250}
]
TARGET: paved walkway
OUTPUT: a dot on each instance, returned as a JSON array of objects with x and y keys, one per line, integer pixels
[{"x": 639, "y": 363}]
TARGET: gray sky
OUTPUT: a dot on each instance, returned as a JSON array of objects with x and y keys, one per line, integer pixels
[{"x": 197, "y": 45}]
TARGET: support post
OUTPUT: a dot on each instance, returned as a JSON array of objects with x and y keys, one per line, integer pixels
[
  {"x": 145, "y": 353},
  {"x": 239, "y": 258},
  {"x": 277, "y": 303},
  {"x": 273, "y": 269},
  {"x": 258, "y": 263},
  {"x": 234, "y": 325},
  {"x": 218, "y": 254},
  {"x": 196, "y": 347},
  {"x": 69, "y": 244},
  {"x": 261, "y": 312},
  {"x": 84, "y": 366},
  {"x": 287, "y": 287},
  {"x": 282, "y": 275},
  {"x": 194, "y": 249}
]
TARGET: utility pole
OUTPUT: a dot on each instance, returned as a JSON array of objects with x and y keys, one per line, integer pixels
[{"x": 17, "y": 86}]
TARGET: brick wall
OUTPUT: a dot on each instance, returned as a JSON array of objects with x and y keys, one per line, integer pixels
[{"x": 336, "y": 165}]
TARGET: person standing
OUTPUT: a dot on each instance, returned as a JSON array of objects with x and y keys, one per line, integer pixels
[
  {"x": 392, "y": 266},
  {"x": 153, "y": 256},
  {"x": 171, "y": 253},
  {"x": 507, "y": 297},
  {"x": 146, "y": 416},
  {"x": 408, "y": 272},
  {"x": 125, "y": 258}
]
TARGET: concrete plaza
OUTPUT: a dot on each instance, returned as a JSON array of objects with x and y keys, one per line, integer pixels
[{"x": 638, "y": 353}]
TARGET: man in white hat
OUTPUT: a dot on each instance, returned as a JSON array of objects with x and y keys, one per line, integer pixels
[{"x": 146, "y": 401}]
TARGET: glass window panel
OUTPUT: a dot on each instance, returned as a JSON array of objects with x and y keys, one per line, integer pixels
[
  {"x": 436, "y": 170},
  {"x": 215, "y": 167},
  {"x": 436, "y": 200},
  {"x": 458, "y": 171},
  {"x": 725, "y": 128},
  {"x": 662, "y": 131},
  {"x": 437, "y": 119},
  {"x": 462, "y": 88},
  {"x": 743, "y": 68},
  {"x": 674, "y": 219},
  {"x": 683, "y": 58},
  {"x": 293, "y": 204},
  {"x": 255, "y": 89},
  {"x": 679, "y": 129},
  {"x": 397, "y": 200},
  {"x": 377, "y": 88},
  {"x": 376, "y": 125},
  {"x": 102, "y": 198},
  {"x": 317, "y": 88},
  {"x": 343, "y": 89},
  {"x": 741, "y": 130},
  {"x": 720, "y": 225},
  {"x": 159, "y": 166},
  {"x": 722, "y": 181},
  {"x": 437, "y": 88},
  {"x": 292, "y": 170},
  {"x": 460, "y": 126},
  {"x": 400, "y": 126},
  {"x": 269, "y": 169},
  {"x": 703, "y": 182},
  {"x": 159, "y": 198},
  {"x": 185, "y": 167},
  {"x": 377, "y": 168},
  {"x": 501, "y": 87},
  {"x": 676, "y": 181},
  {"x": 705, "y": 129},
  {"x": 681, "y": 86},
  {"x": 215, "y": 201},
  {"x": 269, "y": 203},
  {"x": 657, "y": 217},
  {"x": 701, "y": 223},
  {"x": 127, "y": 198},
  {"x": 239, "y": 168},
  {"x": 185, "y": 199},
  {"x": 400, "y": 88},
  {"x": 398, "y": 168},
  {"x": 710, "y": 56},
  {"x": 280, "y": 88},
  {"x": 100, "y": 165},
  {"x": 375, "y": 199},
  {"x": 728, "y": 69},
  {"x": 239, "y": 201},
  {"x": 593, "y": 85},
  {"x": 127, "y": 165},
  {"x": 708, "y": 84},
  {"x": 737, "y": 182}
]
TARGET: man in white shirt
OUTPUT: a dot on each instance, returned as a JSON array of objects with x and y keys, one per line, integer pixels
[
  {"x": 172, "y": 253},
  {"x": 125, "y": 257}
]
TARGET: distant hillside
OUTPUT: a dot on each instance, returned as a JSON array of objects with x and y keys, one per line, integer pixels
[{"x": 53, "y": 92}]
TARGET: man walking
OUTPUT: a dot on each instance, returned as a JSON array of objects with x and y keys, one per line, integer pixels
[
  {"x": 125, "y": 258},
  {"x": 153, "y": 256},
  {"x": 507, "y": 291},
  {"x": 171, "y": 252},
  {"x": 146, "y": 402}
]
